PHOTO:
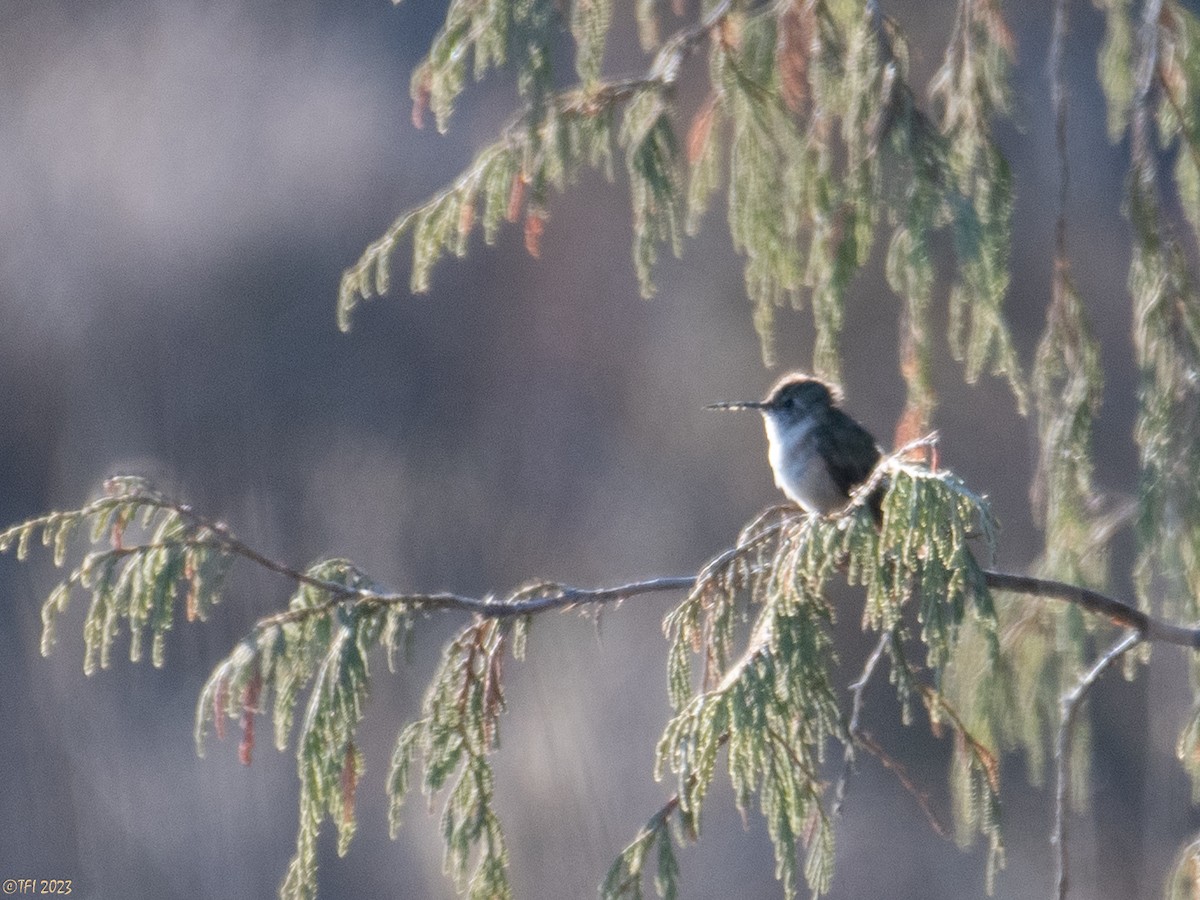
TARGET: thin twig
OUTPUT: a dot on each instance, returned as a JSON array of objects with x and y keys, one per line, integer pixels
[
  {"x": 181, "y": 544},
  {"x": 1069, "y": 707},
  {"x": 991, "y": 765},
  {"x": 867, "y": 742},
  {"x": 853, "y": 727},
  {"x": 860, "y": 737}
]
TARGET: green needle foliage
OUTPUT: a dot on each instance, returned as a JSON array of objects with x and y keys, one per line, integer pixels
[
  {"x": 1185, "y": 874},
  {"x": 156, "y": 554},
  {"x": 490, "y": 34},
  {"x": 1167, "y": 331},
  {"x": 769, "y": 700},
  {"x": 811, "y": 108},
  {"x": 1167, "y": 320},
  {"x": 322, "y": 648},
  {"x": 773, "y": 707},
  {"x": 1114, "y": 63},
  {"x": 970, "y": 90},
  {"x": 459, "y": 727}
]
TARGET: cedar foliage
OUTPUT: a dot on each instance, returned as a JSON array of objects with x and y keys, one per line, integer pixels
[{"x": 826, "y": 154}]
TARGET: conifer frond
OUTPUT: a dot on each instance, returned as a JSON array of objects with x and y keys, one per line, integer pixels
[
  {"x": 975, "y": 765},
  {"x": 704, "y": 161},
  {"x": 1011, "y": 701},
  {"x": 968, "y": 91},
  {"x": 769, "y": 173},
  {"x": 653, "y": 163},
  {"x": 321, "y": 646},
  {"x": 975, "y": 786},
  {"x": 1166, "y": 341},
  {"x": 1183, "y": 882},
  {"x": 1067, "y": 387},
  {"x": 487, "y": 34},
  {"x": 326, "y": 654},
  {"x": 457, "y": 731},
  {"x": 916, "y": 211},
  {"x": 1178, "y": 78},
  {"x": 330, "y": 762},
  {"x": 774, "y": 706},
  {"x": 909, "y": 270},
  {"x": 844, "y": 211},
  {"x": 547, "y": 142},
  {"x": 647, "y": 23},
  {"x": 802, "y": 217},
  {"x": 590, "y": 20},
  {"x": 972, "y": 700},
  {"x": 156, "y": 556},
  {"x": 804, "y": 96},
  {"x": 1114, "y": 63},
  {"x": 506, "y": 182},
  {"x": 623, "y": 880},
  {"x": 1045, "y": 648}
]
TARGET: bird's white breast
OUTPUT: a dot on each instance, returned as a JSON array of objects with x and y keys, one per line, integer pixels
[{"x": 800, "y": 472}]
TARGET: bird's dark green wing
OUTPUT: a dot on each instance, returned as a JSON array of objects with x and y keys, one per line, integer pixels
[{"x": 848, "y": 449}]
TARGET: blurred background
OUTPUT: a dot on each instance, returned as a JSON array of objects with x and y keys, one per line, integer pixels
[{"x": 183, "y": 183}]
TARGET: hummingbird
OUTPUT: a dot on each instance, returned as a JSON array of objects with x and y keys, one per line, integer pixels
[{"x": 818, "y": 453}]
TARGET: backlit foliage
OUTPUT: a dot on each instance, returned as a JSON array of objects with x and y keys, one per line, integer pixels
[
  {"x": 324, "y": 653},
  {"x": 459, "y": 727},
  {"x": 769, "y": 702},
  {"x": 156, "y": 555},
  {"x": 809, "y": 123},
  {"x": 1184, "y": 881},
  {"x": 768, "y": 699},
  {"x": 1167, "y": 324}
]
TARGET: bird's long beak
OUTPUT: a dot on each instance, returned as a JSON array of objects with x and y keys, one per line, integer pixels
[{"x": 739, "y": 404}]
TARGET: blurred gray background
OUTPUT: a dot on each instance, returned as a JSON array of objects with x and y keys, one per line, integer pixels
[{"x": 182, "y": 185}]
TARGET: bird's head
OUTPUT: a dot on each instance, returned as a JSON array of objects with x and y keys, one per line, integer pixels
[{"x": 794, "y": 398}]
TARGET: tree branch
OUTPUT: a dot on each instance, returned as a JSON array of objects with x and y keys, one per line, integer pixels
[
  {"x": 556, "y": 597},
  {"x": 543, "y": 598},
  {"x": 1069, "y": 706},
  {"x": 1119, "y": 613}
]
